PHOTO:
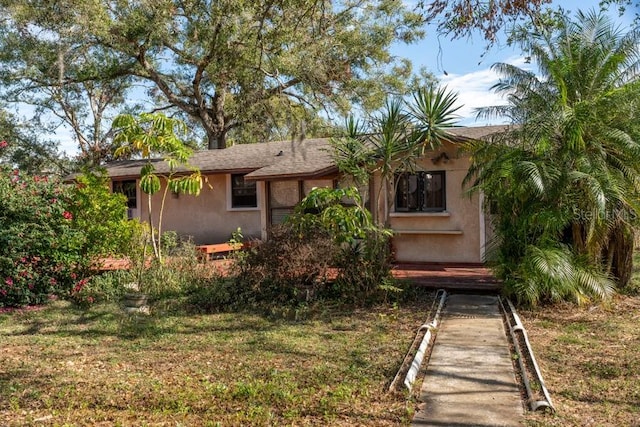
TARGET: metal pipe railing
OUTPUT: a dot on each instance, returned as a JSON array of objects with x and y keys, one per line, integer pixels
[
  {"x": 430, "y": 327},
  {"x": 534, "y": 403}
]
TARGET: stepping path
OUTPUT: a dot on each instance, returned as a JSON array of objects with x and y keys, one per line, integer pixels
[{"x": 470, "y": 379}]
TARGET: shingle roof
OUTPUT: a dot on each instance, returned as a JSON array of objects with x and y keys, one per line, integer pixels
[
  {"x": 478, "y": 132},
  {"x": 309, "y": 157},
  {"x": 279, "y": 159}
]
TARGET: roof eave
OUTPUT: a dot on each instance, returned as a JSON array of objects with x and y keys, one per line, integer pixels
[{"x": 321, "y": 173}]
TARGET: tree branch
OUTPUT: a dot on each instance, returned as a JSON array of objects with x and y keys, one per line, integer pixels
[
  {"x": 155, "y": 77},
  {"x": 283, "y": 86}
]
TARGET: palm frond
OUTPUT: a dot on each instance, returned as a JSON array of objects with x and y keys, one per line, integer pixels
[{"x": 434, "y": 112}]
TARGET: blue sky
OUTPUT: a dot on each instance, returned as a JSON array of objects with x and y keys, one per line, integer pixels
[{"x": 467, "y": 63}]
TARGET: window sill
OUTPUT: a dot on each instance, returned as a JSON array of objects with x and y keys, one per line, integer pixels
[
  {"x": 418, "y": 213},
  {"x": 441, "y": 232},
  {"x": 243, "y": 209}
]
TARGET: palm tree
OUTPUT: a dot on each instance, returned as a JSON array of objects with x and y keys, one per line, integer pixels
[
  {"x": 568, "y": 176},
  {"x": 433, "y": 113},
  {"x": 394, "y": 138},
  {"x": 392, "y": 146}
]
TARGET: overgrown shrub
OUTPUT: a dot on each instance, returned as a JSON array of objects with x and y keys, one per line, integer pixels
[
  {"x": 213, "y": 294},
  {"x": 40, "y": 249},
  {"x": 329, "y": 248},
  {"x": 176, "y": 274},
  {"x": 287, "y": 268},
  {"x": 101, "y": 216},
  {"x": 102, "y": 288},
  {"x": 338, "y": 211},
  {"x": 171, "y": 279},
  {"x": 364, "y": 269},
  {"x": 362, "y": 258}
]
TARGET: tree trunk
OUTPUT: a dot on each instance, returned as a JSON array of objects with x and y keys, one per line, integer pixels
[
  {"x": 216, "y": 139},
  {"x": 215, "y": 121},
  {"x": 621, "y": 244}
]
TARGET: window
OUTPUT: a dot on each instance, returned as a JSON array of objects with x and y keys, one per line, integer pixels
[
  {"x": 243, "y": 193},
  {"x": 129, "y": 189},
  {"x": 421, "y": 191}
]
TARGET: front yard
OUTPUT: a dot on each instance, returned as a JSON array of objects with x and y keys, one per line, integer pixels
[
  {"x": 590, "y": 359},
  {"x": 64, "y": 366}
]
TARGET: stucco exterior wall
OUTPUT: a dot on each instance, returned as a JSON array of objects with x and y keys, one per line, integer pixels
[
  {"x": 206, "y": 217},
  {"x": 456, "y": 235},
  {"x": 452, "y": 236}
]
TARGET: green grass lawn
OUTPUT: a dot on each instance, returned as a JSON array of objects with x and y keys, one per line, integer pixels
[
  {"x": 66, "y": 366},
  {"x": 590, "y": 359}
]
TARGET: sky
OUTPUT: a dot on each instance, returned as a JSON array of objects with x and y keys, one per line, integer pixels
[{"x": 464, "y": 66}]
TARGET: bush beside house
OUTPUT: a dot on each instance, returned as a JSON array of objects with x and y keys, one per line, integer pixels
[
  {"x": 40, "y": 249},
  {"x": 51, "y": 232}
]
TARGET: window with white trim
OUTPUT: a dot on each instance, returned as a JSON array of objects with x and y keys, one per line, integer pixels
[{"x": 421, "y": 192}]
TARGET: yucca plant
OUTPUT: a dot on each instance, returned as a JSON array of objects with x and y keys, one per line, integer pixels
[{"x": 394, "y": 138}]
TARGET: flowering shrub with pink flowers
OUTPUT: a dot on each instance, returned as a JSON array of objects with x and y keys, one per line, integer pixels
[{"x": 40, "y": 249}]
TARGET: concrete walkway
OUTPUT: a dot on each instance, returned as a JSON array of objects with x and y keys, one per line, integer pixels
[{"x": 470, "y": 379}]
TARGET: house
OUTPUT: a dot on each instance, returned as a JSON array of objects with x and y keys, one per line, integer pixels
[{"x": 254, "y": 186}]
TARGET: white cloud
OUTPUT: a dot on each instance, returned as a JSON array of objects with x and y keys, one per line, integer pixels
[{"x": 474, "y": 91}]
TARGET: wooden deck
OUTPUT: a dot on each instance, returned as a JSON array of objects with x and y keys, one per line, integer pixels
[{"x": 448, "y": 276}]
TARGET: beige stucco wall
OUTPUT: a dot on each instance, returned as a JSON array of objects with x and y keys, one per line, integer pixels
[
  {"x": 453, "y": 236},
  {"x": 206, "y": 217}
]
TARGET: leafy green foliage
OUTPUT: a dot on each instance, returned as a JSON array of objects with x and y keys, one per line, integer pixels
[
  {"x": 351, "y": 153},
  {"x": 564, "y": 182},
  {"x": 56, "y": 69},
  {"x": 23, "y": 149},
  {"x": 173, "y": 278},
  {"x": 243, "y": 69},
  {"x": 157, "y": 134},
  {"x": 361, "y": 256},
  {"x": 102, "y": 288},
  {"x": 463, "y": 18},
  {"x": 326, "y": 208},
  {"x": 163, "y": 283},
  {"x": 433, "y": 113},
  {"x": 101, "y": 216},
  {"x": 364, "y": 269},
  {"x": 41, "y": 252}
]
